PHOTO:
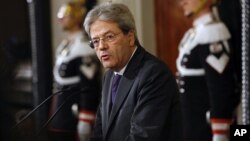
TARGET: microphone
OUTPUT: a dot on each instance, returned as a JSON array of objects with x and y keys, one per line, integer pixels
[
  {"x": 41, "y": 104},
  {"x": 58, "y": 109}
]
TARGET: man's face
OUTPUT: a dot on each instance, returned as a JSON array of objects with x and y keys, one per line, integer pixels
[
  {"x": 113, "y": 47},
  {"x": 189, "y": 6},
  {"x": 68, "y": 22}
]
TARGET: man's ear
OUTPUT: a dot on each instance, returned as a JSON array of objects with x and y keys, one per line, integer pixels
[{"x": 131, "y": 36}]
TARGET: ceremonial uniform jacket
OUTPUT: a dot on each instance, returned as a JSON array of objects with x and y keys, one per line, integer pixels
[
  {"x": 77, "y": 73},
  {"x": 206, "y": 76}
]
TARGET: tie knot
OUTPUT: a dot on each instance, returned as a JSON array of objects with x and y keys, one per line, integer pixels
[{"x": 116, "y": 78}]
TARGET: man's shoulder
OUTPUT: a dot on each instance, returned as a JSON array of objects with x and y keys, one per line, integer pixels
[
  {"x": 153, "y": 60},
  {"x": 153, "y": 64}
]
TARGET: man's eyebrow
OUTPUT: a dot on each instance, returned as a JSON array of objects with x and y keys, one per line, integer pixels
[{"x": 102, "y": 34}]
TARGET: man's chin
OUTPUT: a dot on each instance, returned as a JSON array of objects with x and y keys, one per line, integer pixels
[{"x": 107, "y": 65}]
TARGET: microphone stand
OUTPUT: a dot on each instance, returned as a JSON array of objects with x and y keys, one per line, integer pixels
[
  {"x": 57, "y": 110},
  {"x": 37, "y": 107}
]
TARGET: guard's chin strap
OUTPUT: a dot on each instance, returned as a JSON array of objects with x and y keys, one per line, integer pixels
[{"x": 215, "y": 13}]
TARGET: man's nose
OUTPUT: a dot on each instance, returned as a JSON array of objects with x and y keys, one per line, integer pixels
[{"x": 102, "y": 44}]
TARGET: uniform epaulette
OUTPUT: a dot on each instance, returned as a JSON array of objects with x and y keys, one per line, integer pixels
[
  {"x": 211, "y": 33},
  {"x": 79, "y": 49}
]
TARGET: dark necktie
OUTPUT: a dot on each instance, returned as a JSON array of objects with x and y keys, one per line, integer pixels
[{"x": 115, "y": 83}]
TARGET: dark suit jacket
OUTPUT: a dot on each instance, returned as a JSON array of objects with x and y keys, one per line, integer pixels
[{"x": 147, "y": 106}]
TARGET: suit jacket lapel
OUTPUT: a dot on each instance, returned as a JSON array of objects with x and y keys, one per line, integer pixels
[
  {"x": 123, "y": 90},
  {"x": 125, "y": 85},
  {"x": 106, "y": 99}
]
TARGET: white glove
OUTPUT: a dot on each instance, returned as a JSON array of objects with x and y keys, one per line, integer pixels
[
  {"x": 84, "y": 130},
  {"x": 220, "y": 137}
]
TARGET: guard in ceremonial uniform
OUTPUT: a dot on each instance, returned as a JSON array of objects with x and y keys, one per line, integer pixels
[
  {"x": 206, "y": 75},
  {"x": 77, "y": 73}
]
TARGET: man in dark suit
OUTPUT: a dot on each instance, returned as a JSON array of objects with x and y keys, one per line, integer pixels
[{"x": 140, "y": 99}]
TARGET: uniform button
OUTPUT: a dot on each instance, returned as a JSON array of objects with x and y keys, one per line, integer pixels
[
  {"x": 182, "y": 90},
  {"x": 182, "y": 82},
  {"x": 185, "y": 59},
  {"x": 63, "y": 67},
  {"x": 62, "y": 73}
]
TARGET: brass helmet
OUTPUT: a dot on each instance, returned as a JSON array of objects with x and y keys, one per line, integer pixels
[
  {"x": 82, "y": 2},
  {"x": 202, "y": 4},
  {"x": 74, "y": 9}
]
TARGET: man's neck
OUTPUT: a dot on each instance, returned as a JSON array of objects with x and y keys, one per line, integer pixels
[
  {"x": 121, "y": 71},
  {"x": 200, "y": 14},
  {"x": 72, "y": 33}
]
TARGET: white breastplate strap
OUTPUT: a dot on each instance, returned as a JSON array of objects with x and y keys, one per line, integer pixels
[
  {"x": 201, "y": 35},
  {"x": 67, "y": 81},
  {"x": 190, "y": 72},
  {"x": 187, "y": 71}
]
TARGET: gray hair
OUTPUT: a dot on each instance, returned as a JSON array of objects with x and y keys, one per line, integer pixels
[{"x": 114, "y": 12}]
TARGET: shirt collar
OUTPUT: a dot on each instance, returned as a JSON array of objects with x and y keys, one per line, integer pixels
[{"x": 124, "y": 68}]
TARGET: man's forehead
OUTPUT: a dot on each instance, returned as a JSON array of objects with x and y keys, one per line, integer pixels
[
  {"x": 99, "y": 28},
  {"x": 101, "y": 34}
]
